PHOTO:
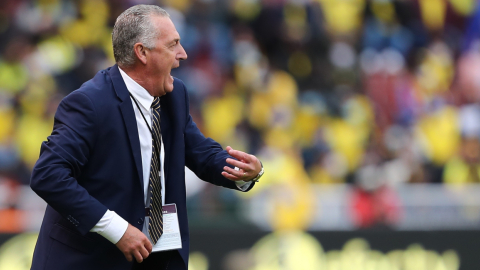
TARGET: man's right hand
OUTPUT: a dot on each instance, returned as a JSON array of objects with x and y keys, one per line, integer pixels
[{"x": 134, "y": 244}]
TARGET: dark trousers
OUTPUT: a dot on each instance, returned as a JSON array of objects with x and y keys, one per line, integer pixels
[{"x": 166, "y": 260}]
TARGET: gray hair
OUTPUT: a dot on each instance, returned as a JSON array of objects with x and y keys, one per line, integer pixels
[{"x": 132, "y": 26}]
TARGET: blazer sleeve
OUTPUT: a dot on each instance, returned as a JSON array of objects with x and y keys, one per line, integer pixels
[
  {"x": 204, "y": 156},
  {"x": 62, "y": 157}
]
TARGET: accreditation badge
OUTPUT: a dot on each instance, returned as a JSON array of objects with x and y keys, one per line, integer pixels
[{"x": 171, "y": 237}]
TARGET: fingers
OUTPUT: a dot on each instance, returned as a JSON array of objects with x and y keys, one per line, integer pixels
[
  {"x": 128, "y": 256},
  {"x": 237, "y": 163},
  {"x": 134, "y": 245},
  {"x": 144, "y": 252},
  {"x": 148, "y": 246},
  {"x": 248, "y": 166},
  {"x": 245, "y": 161},
  {"x": 138, "y": 256},
  {"x": 238, "y": 173},
  {"x": 230, "y": 176},
  {"x": 242, "y": 156}
]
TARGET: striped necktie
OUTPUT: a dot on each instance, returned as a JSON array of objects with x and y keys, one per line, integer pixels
[{"x": 155, "y": 224}]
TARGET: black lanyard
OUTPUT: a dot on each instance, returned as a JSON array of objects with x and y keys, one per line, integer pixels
[{"x": 149, "y": 128}]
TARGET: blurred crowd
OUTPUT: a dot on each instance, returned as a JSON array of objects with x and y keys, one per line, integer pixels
[{"x": 374, "y": 93}]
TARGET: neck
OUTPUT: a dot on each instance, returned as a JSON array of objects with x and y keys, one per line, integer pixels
[{"x": 138, "y": 75}]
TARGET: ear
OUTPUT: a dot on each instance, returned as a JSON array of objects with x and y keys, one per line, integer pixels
[{"x": 141, "y": 52}]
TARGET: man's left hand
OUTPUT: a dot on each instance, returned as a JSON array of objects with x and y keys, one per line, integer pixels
[{"x": 248, "y": 166}]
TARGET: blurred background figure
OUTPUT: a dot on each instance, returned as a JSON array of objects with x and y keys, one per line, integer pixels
[{"x": 365, "y": 113}]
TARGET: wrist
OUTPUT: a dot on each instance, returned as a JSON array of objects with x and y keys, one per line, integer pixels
[
  {"x": 115, "y": 229},
  {"x": 259, "y": 175}
]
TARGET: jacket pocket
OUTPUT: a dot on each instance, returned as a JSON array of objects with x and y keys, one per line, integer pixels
[{"x": 72, "y": 239}]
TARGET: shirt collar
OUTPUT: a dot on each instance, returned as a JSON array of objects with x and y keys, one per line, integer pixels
[{"x": 137, "y": 91}]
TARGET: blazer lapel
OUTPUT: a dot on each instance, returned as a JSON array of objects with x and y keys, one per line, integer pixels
[
  {"x": 166, "y": 134},
  {"x": 128, "y": 114}
]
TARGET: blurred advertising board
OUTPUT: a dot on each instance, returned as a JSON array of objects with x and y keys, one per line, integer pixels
[
  {"x": 338, "y": 250},
  {"x": 334, "y": 250}
]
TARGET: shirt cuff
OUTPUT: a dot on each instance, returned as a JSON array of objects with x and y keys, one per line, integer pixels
[
  {"x": 242, "y": 185},
  {"x": 111, "y": 226}
]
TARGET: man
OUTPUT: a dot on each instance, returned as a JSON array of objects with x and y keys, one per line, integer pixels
[{"x": 118, "y": 151}]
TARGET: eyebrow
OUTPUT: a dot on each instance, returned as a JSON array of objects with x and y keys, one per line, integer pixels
[{"x": 175, "y": 40}]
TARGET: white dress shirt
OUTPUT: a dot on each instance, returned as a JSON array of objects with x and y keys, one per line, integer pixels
[{"x": 111, "y": 225}]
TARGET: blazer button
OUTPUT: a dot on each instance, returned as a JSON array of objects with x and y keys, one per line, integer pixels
[{"x": 140, "y": 221}]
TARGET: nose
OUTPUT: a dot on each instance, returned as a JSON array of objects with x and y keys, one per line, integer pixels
[{"x": 182, "y": 54}]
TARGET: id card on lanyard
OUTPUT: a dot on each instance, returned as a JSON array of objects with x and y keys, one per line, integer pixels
[{"x": 171, "y": 237}]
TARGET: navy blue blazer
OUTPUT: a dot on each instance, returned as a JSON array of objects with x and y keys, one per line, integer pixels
[{"x": 92, "y": 162}]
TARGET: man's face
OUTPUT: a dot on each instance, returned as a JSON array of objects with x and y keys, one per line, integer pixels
[{"x": 164, "y": 57}]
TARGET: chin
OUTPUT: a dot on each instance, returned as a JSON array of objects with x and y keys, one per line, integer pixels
[{"x": 169, "y": 88}]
